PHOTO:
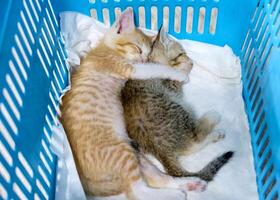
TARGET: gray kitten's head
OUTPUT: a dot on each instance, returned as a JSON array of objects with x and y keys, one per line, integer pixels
[{"x": 168, "y": 51}]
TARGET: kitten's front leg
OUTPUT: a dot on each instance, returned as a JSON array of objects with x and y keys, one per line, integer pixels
[{"x": 151, "y": 70}]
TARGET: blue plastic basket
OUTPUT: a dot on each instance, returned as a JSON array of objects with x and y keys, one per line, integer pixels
[{"x": 33, "y": 74}]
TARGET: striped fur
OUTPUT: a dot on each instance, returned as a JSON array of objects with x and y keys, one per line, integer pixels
[
  {"x": 160, "y": 123},
  {"x": 92, "y": 115}
]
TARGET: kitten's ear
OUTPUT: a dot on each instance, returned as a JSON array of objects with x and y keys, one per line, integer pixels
[
  {"x": 162, "y": 36},
  {"x": 153, "y": 37},
  {"x": 125, "y": 23}
]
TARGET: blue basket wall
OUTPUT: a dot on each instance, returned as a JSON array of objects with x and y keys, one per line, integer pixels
[{"x": 33, "y": 74}]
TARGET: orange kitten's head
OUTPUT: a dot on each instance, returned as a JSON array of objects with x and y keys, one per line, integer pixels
[
  {"x": 127, "y": 40},
  {"x": 168, "y": 51}
]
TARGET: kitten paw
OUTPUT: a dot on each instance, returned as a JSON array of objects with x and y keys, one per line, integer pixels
[
  {"x": 196, "y": 185},
  {"x": 217, "y": 136}
]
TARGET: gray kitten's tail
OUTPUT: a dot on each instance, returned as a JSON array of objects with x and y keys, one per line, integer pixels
[{"x": 209, "y": 171}]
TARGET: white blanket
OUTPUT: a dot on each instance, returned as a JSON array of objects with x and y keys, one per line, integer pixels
[{"x": 214, "y": 85}]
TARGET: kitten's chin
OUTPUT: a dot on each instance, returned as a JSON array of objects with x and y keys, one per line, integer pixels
[{"x": 137, "y": 61}]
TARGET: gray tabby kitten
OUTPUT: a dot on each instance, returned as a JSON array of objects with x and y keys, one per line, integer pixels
[{"x": 159, "y": 123}]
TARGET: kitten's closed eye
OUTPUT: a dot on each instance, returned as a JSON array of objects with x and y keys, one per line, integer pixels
[
  {"x": 179, "y": 55},
  {"x": 138, "y": 49},
  {"x": 133, "y": 47},
  {"x": 176, "y": 61}
]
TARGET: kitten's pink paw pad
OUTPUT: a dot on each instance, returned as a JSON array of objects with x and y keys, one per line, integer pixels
[{"x": 195, "y": 186}]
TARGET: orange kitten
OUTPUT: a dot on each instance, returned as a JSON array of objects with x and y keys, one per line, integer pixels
[{"x": 92, "y": 116}]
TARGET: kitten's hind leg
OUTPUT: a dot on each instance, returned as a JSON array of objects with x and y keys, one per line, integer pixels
[
  {"x": 172, "y": 165},
  {"x": 206, "y": 128},
  {"x": 205, "y": 133},
  {"x": 210, "y": 138},
  {"x": 207, "y": 122},
  {"x": 157, "y": 179},
  {"x": 141, "y": 191}
]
